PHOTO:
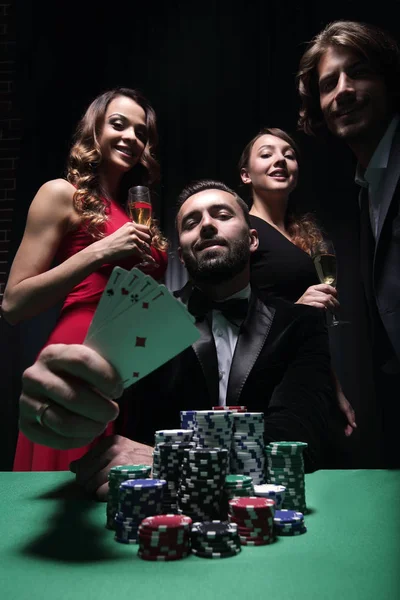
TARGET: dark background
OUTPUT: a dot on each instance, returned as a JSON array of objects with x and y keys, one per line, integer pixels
[{"x": 215, "y": 75}]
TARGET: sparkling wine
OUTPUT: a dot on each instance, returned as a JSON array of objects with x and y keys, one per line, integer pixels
[
  {"x": 140, "y": 212},
  {"x": 325, "y": 265}
]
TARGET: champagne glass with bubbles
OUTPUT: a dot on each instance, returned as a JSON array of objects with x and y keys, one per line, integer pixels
[
  {"x": 139, "y": 209},
  {"x": 324, "y": 258}
]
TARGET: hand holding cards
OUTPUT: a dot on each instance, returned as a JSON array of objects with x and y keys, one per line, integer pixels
[{"x": 139, "y": 325}]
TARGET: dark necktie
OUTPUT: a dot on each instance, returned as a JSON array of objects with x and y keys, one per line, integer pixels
[{"x": 199, "y": 305}]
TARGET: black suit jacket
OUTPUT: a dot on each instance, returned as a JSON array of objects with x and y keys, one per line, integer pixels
[
  {"x": 380, "y": 260},
  {"x": 281, "y": 366}
]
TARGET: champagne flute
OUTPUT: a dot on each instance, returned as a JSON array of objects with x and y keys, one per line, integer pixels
[
  {"x": 324, "y": 258},
  {"x": 138, "y": 207}
]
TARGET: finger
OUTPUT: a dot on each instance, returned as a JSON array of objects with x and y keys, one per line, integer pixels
[
  {"x": 317, "y": 304},
  {"x": 326, "y": 288},
  {"x": 100, "y": 477},
  {"x": 46, "y": 437},
  {"x": 60, "y": 421},
  {"x": 95, "y": 458},
  {"x": 348, "y": 430},
  {"x": 85, "y": 363},
  {"x": 92, "y": 475},
  {"x": 67, "y": 392}
]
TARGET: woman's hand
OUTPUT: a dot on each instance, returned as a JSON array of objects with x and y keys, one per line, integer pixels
[
  {"x": 320, "y": 296},
  {"x": 129, "y": 239}
]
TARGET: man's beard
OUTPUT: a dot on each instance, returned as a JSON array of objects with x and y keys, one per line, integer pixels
[{"x": 215, "y": 266}]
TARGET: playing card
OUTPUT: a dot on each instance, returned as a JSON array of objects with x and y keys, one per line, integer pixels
[
  {"x": 107, "y": 298},
  {"x": 134, "y": 288},
  {"x": 123, "y": 295},
  {"x": 146, "y": 335}
]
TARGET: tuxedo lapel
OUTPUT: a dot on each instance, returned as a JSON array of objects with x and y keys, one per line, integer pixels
[
  {"x": 252, "y": 336},
  {"x": 204, "y": 348},
  {"x": 389, "y": 185}
]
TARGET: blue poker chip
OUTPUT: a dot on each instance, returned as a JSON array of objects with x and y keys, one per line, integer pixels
[{"x": 288, "y": 516}]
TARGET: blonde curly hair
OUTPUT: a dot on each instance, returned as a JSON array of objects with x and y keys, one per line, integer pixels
[
  {"x": 85, "y": 158},
  {"x": 303, "y": 229}
]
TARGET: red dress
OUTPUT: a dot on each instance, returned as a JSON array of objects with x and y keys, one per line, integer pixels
[{"x": 71, "y": 327}]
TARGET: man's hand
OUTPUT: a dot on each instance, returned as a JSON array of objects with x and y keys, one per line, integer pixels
[
  {"x": 67, "y": 397},
  {"x": 92, "y": 469}
]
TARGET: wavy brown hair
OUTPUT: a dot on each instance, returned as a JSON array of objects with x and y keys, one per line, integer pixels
[
  {"x": 367, "y": 41},
  {"x": 303, "y": 229},
  {"x": 85, "y": 157}
]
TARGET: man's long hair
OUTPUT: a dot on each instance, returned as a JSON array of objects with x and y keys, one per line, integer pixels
[{"x": 369, "y": 42}]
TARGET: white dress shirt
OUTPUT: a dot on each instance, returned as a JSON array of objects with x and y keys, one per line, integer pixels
[
  {"x": 374, "y": 175},
  {"x": 225, "y": 336}
]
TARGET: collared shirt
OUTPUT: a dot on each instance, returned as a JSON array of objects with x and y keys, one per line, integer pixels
[
  {"x": 225, "y": 336},
  {"x": 373, "y": 176}
]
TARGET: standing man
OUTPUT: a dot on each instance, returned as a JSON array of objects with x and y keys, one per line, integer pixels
[{"x": 349, "y": 83}]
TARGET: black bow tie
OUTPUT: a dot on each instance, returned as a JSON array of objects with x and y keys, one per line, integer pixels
[{"x": 199, "y": 305}]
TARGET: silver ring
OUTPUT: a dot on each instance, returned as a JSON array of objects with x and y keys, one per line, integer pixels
[{"x": 40, "y": 413}]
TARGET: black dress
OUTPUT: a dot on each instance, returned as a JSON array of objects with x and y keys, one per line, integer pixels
[{"x": 278, "y": 267}]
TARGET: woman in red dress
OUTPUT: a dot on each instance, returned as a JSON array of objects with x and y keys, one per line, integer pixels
[{"x": 79, "y": 225}]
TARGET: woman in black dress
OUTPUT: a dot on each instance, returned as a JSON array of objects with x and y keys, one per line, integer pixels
[{"x": 282, "y": 265}]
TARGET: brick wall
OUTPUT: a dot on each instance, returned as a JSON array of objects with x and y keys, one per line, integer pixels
[{"x": 10, "y": 133}]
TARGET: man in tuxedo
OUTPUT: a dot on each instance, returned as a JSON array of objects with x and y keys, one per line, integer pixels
[
  {"x": 272, "y": 358},
  {"x": 349, "y": 84}
]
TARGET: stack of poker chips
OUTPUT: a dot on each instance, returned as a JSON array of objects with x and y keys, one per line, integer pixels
[
  {"x": 138, "y": 499},
  {"x": 286, "y": 467},
  {"x": 164, "y": 537},
  {"x": 213, "y": 429},
  {"x": 236, "y": 486},
  {"x": 167, "y": 458},
  {"x": 188, "y": 419},
  {"x": 269, "y": 490},
  {"x": 231, "y": 408},
  {"x": 247, "y": 454},
  {"x": 254, "y": 518},
  {"x": 215, "y": 539},
  {"x": 116, "y": 476},
  {"x": 202, "y": 478},
  {"x": 289, "y": 522}
]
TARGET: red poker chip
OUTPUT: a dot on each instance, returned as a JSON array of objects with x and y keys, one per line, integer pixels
[
  {"x": 258, "y": 531},
  {"x": 174, "y": 534},
  {"x": 251, "y": 503},
  {"x": 256, "y": 525},
  {"x": 166, "y": 522}
]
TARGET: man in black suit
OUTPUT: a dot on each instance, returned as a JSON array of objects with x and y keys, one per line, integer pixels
[
  {"x": 273, "y": 359},
  {"x": 349, "y": 83}
]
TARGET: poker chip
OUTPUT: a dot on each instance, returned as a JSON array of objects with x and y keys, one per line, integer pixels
[
  {"x": 272, "y": 491},
  {"x": 202, "y": 476},
  {"x": 285, "y": 466},
  {"x": 167, "y": 460},
  {"x": 212, "y": 554},
  {"x": 117, "y": 475},
  {"x": 164, "y": 537},
  {"x": 137, "y": 499},
  {"x": 247, "y": 449},
  {"x": 215, "y": 539},
  {"x": 289, "y": 522},
  {"x": 253, "y": 517}
]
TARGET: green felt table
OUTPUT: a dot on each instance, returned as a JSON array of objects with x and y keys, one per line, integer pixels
[{"x": 54, "y": 546}]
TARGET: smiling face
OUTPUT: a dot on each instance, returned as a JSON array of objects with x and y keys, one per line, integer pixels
[
  {"x": 272, "y": 166},
  {"x": 353, "y": 96},
  {"x": 214, "y": 238},
  {"x": 123, "y": 135}
]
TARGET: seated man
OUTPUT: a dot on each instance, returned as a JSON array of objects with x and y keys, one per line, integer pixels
[{"x": 272, "y": 358}]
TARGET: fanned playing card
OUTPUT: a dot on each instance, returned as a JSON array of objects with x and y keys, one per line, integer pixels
[{"x": 144, "y": 332}]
